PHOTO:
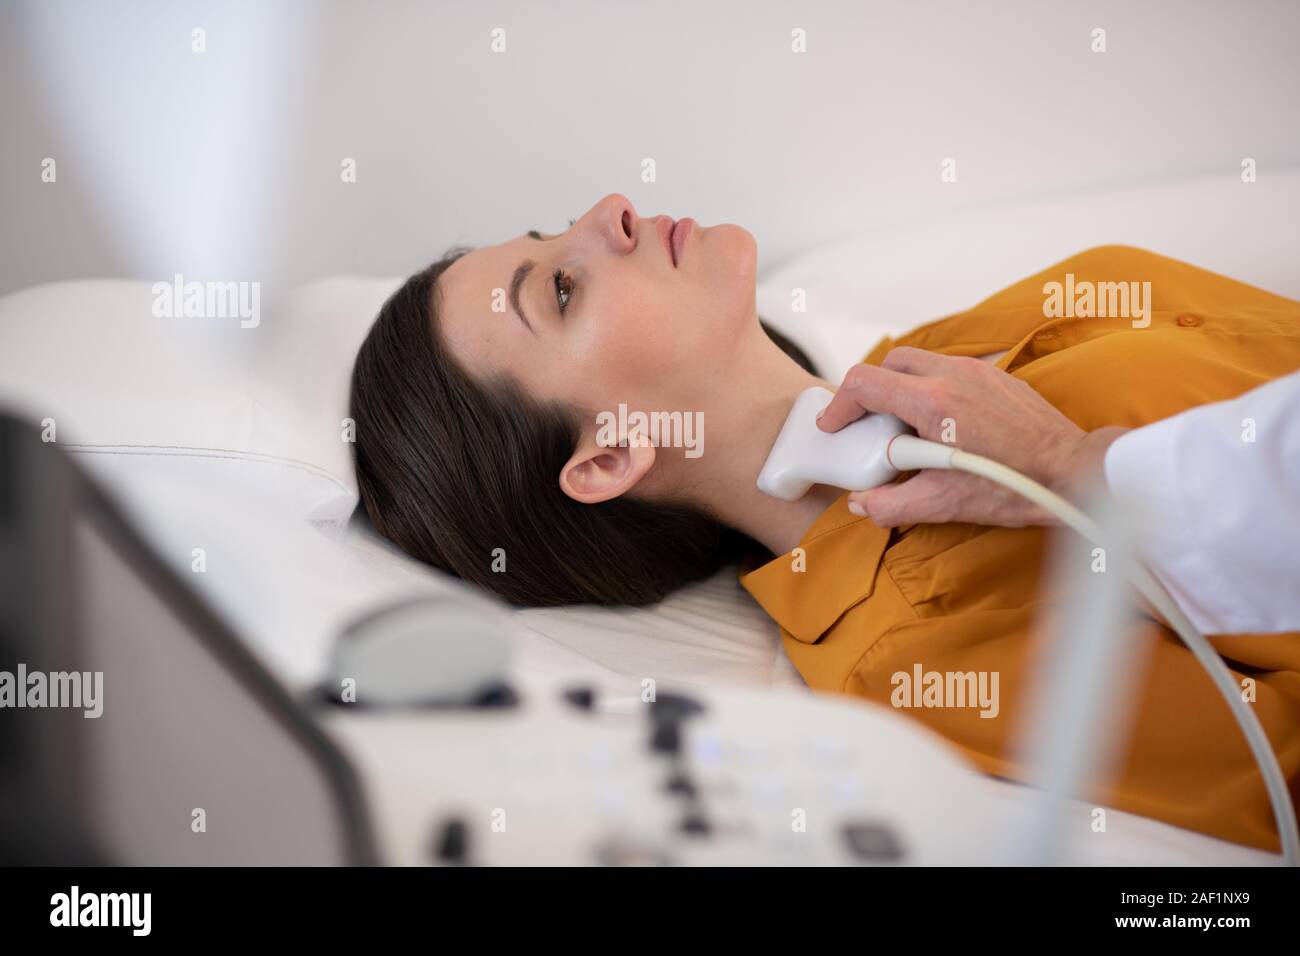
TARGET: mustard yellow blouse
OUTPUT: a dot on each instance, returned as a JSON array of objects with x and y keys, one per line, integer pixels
[{"x": 870, "y": 603}]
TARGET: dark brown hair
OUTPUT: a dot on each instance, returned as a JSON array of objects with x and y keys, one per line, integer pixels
[{"x": 450, "y": 469}]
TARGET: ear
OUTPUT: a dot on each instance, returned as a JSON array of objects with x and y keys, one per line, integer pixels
[{"x": 600, "y": 473}]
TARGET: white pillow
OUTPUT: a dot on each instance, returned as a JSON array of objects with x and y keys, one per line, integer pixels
[
  {"x": 131, "y": 393},
  {"x": 316, "y": 341}
]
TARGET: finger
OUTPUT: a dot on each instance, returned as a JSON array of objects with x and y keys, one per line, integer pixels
[
  {"x": 937, "y": 497},
  {"x": 868, "y": 388},
  {"x": 914, "y": 361},
  {"x": 922, "y": 499},
  {"x": 885, "y": 507}
]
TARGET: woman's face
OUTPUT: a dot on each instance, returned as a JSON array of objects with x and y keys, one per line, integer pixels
[{"x": 604, "y": 315}]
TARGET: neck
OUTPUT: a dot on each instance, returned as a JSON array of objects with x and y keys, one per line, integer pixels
[{"x": 738, "y": 445}]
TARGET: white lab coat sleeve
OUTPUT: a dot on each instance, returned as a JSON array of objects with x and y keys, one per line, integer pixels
[{"x": 1216, "y": 494}]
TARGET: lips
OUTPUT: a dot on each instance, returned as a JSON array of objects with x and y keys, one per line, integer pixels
[{"x": 677, "y": 238}]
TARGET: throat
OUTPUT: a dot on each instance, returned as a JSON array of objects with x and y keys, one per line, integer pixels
[
  {"x": 732, "y": 493},
  {"x": 785, "y": 525}
]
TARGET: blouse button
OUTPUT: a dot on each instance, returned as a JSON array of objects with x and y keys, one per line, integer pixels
[{"x": 1188, "y": 321}]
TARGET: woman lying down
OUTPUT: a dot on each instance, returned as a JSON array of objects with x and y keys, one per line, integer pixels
[{"x": 483, "y": 398}]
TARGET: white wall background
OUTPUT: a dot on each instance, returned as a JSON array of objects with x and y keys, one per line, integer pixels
[{"x": 228, "y": 162}]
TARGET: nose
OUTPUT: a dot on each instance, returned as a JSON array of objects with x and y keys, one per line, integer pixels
[{"x": 615, "y": 219}]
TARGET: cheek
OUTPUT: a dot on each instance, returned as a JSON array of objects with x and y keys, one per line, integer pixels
[
  {"x": 637, "y": 347},
  {"x": 657, "y": 340},
  {"x": 664, "y": 366},
  {"x": 631, "y": 351},
  {"x": 634, "y": 324}
]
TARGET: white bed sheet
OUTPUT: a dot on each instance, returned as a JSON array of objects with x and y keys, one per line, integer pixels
[{"x": 704, "y": 635}]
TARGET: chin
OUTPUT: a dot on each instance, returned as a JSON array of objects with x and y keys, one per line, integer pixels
[
  {"x": 734, "y": 267},
  {"x": 737, "y": 248}
]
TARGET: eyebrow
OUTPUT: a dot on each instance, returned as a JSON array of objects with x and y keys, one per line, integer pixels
[
  {"x": 521, "y": 274},
  {"x": 516, "y": 282}
]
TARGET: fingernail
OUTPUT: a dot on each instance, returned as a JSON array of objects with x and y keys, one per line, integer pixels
[
  {"x": 819, "y": 415},
  {"x": 855, "y": 507}
]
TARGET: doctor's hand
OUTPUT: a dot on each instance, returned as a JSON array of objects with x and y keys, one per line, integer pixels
[{"x": 974, "y": 406}]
